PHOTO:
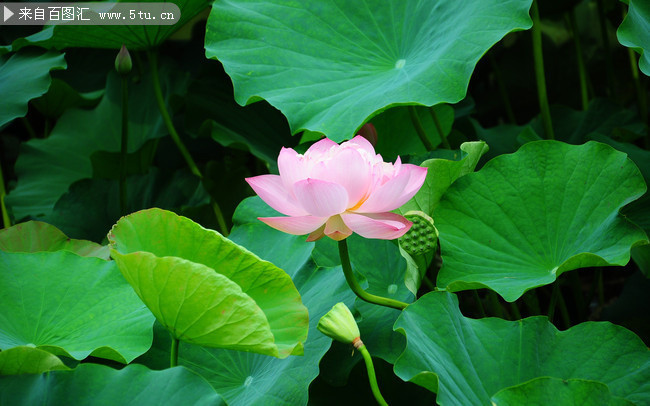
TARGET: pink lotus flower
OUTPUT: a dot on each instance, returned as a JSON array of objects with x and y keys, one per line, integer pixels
[{"x": 336, "y": 190}]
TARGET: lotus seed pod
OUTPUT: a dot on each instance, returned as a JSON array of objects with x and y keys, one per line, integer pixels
[
  {"x": 423, "y": 235},
  {"x": 339, "y": 324}
]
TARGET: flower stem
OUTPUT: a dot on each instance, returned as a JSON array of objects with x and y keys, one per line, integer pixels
[
  {"x": 573, "y": 26},
  {"x": 514, "y": 310},
  {"x": 640, "y": 93},
  {"x": 6, "y": 221},
  {"x": 479, "y": 304},
  {"x": 436, "y": 121},
  {"x": 356, "y": 287},
  {"x": 372, "y": 378},
  {"x": 419, "y": 129},
  {"x": 173, "y": 359},
  {"x": 153, "y": 61},
  {"x": 611, "y": 79},
  {"x": 503, "y": 91},
  {"x": 124, "y": 144},
  {"x": 539, "y": 72}
]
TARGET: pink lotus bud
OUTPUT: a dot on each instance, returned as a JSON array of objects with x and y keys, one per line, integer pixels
[
  {"x": 369, "y": 132},
  {"x": 335, "y": 190},
  {"x": 123, "y": 63}
]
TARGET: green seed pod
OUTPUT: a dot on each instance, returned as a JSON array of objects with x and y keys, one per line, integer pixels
[
  {"x": 423, "y": 235},
  {"x": 339, "y": 324}
]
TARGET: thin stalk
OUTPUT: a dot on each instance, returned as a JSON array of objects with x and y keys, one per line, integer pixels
[
  {"x": 173, "y": 359},
  {"x": 539, "y": 72},
  {"x": 573, "y": 26},
  {"x": 611, "y": 78},
  {"x": 495, "y": 305},
  {"x": 419, "y": 129},
  {"x": 479, "y": 304},
  {"x": 576, "y": 287},
  {"x": 46, "y": 128},
  {"x": 220, "y": 218},
  {"x": 124, "y": 144},
  {"x": 356, "y": 287},
  {"x": 554, "y": 298},
  {"x": 153, "y": 60},
  {"x": 430, "y": 285},
  {"x": 515, "y": 311},
  {"x": 532, "y": 302},
  {"x": 564, "y": 312},
  {"x": 6, "y": 220},
  {"x": 503, "y": 91},
  {"x": 436, "y": 121},
  {"x": 372, "y": 378},
  {"x": 599, "y": 287},
  {"x": 640, "y": 93},
  {"x": 28, "y": 127}
]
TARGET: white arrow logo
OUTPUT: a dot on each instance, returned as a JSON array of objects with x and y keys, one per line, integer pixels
[{"x": 8, "y": 13}]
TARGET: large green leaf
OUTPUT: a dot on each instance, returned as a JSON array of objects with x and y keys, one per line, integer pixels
[
  {"x": 92, "y": 384},
  {"x": 28, "y": 360},
  {"x": 558, "y": 392},
  {"x": 206, "y": 289},
  {"x": 24, "y": 76},
  {"x": 467, "y": 361},
  {"x": 329, "y": 65},
  {"x": 253, "y": 379},
  {"x": 526, "y": 218},
  {"x": 70, "y": 305},
  {"x": 36, "y": 236},
  {"x": 638, "y": 211},
  {"x": 634, "y": 32},
  {"x": 135, "y": 37},
  {"x": 47, "y": 167}
]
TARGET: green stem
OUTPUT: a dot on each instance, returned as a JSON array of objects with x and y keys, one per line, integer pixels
[
  {"x": 153, "y": 60},
  {"x": 124, "y": 144},
  {"x": 46, "y": 128},
  {"x": 640, "y": 93},
  {"x": 503, "y": 91},
  {"x": 495, "y": 305},
  {"x": 479, "y": 304},
  {"x": 532, "y": 302},
  {"x": 6, "y": 220},
  {"x": 372, "y": 378},
  {"x": 576, "y": 287},
  {"x": 436, "y": 121},
  {"x": 356, "y": 287},
  {"x": 515, "y": 311},
  {"x": 554, "y": 297},
  {"x": 419, "y": 129},
  {"x": 564, "y": 312},
  {"x": 28, "y": 127},
  {"x": 221, "y": 221},
  {"x": 173, "y": 359},
  {"x": 539, "y": 73},
  {"x": 611, "y": 78},
  {"x": 599, "y": 287},
  {"x": 430, "y": 285},
  {"x": 573, "y": 26}
]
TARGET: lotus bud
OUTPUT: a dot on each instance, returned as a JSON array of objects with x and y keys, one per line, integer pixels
[
  {"x": 123, "y": 63},
  {"x": 423, "y": 235},
  {"x": 338, "y": 324}
]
